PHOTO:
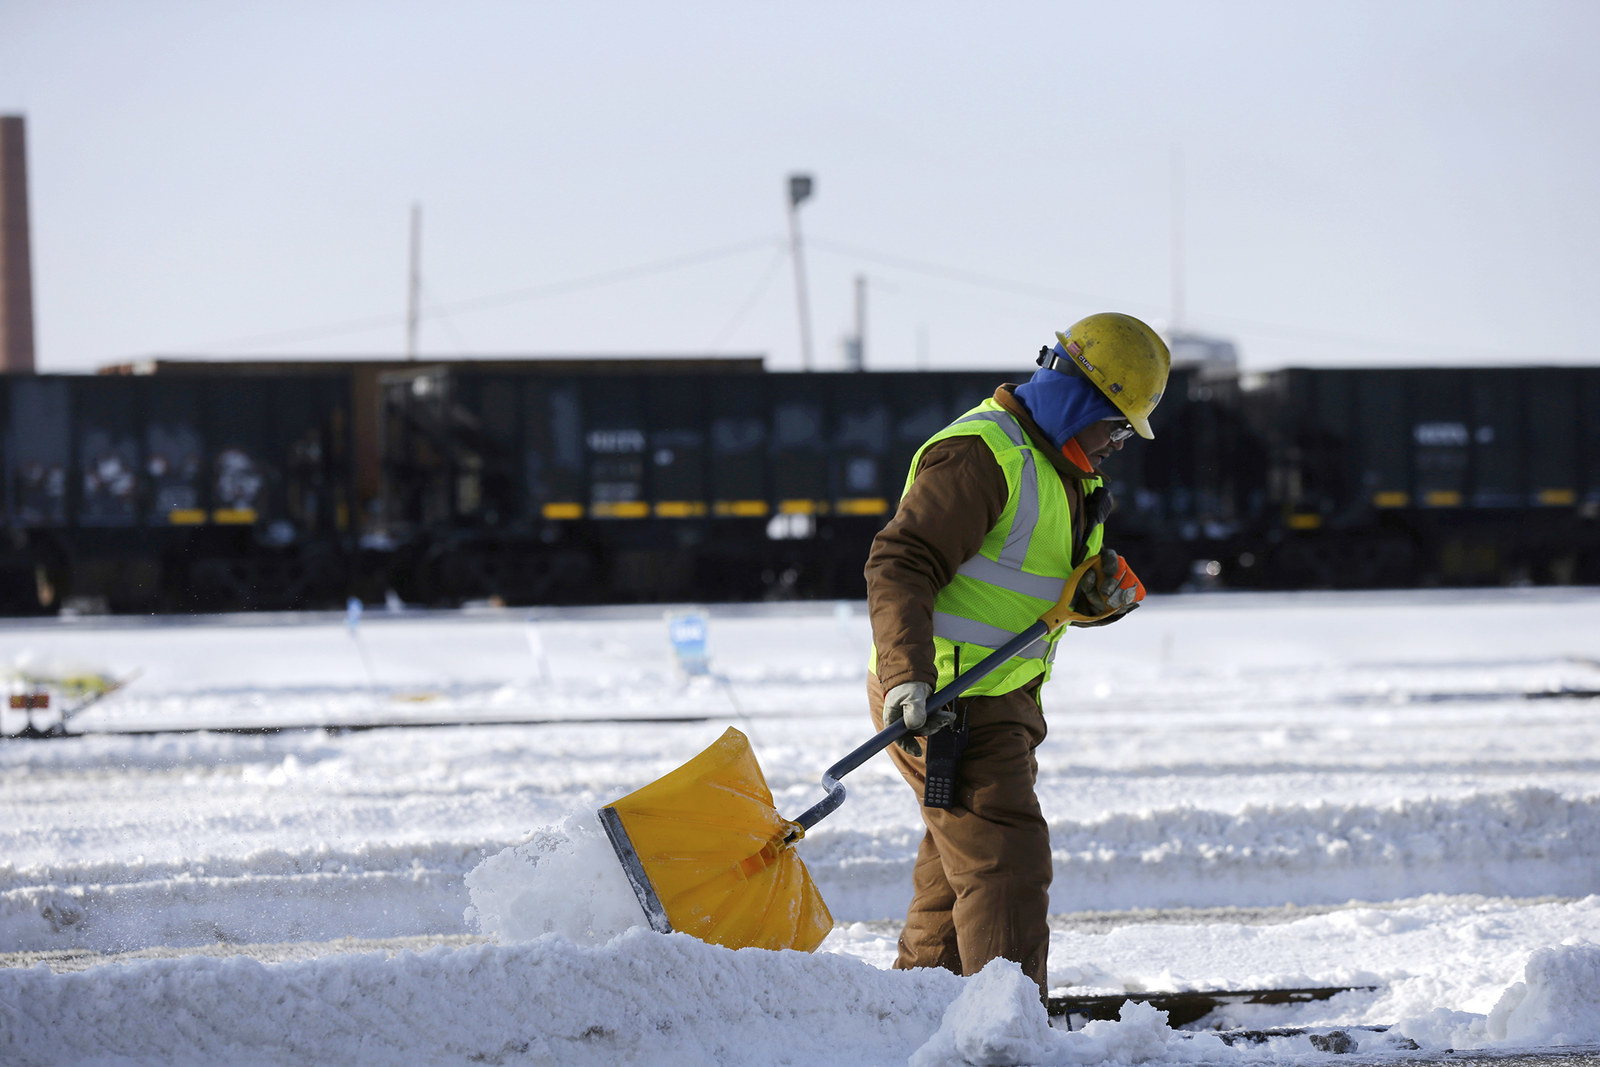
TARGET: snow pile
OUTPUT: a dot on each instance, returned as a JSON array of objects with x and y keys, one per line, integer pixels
[
  {"x": 1557, "y": 1003},
  {"x": 563, "y": 880},
  {"x": 649, "y": 999},
  {"x": 643, "y": 999},
  {"x": 998, "y": 1021}
]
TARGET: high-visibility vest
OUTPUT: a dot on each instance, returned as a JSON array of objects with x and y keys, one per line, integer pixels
[{"x": 1021, "y": 568}]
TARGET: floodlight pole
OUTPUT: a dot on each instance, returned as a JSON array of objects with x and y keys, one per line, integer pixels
[{"x": 800, "y": 186}]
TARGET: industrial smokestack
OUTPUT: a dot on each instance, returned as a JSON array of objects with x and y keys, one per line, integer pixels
[{"x": 16, "y": 266}]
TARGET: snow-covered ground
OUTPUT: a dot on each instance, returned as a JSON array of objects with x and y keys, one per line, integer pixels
[{"x": 1245, "y": 791}]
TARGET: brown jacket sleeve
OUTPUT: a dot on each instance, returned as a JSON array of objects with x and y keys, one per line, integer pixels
[{"x": 955, "y": 499}]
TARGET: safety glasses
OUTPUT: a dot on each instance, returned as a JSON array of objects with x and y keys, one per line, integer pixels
[{"x": 1121, "y": 431}]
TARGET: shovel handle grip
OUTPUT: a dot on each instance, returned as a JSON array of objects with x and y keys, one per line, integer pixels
[
  {"x": 897, "y": 729},
  {"x": 1058, "y": 616}
]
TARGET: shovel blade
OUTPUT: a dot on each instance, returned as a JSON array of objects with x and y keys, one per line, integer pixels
[{"x": 703, "y": 848}]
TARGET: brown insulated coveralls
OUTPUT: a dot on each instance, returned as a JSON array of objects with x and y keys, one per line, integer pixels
[{"x": 981, "y": 885}]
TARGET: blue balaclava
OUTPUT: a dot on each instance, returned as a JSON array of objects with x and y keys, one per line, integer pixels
[{"x": 1063, "y": 404}]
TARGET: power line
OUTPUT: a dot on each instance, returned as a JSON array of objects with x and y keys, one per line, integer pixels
[
  {"x": 446, "y": 321},
  {"x": 1005, "y": 285},
  {"x": 1377, "y": 344},
  {"x": 547, "y": 290},
  {"x": 510, "y": 296},
  {"x": 596, "y": 281},
  {"x": 974, "y": 278},
  {"x": 308, "y": 333},
  {"x": 750, "y": 301}
]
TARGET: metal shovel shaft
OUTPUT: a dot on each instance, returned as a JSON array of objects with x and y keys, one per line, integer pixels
[{"x": 897, "y": 729}]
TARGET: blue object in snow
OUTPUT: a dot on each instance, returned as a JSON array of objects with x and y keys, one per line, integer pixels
[{"x": 687, "y": 631}]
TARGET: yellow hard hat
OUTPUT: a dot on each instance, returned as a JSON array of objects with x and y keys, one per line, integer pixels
[{"x": 1123, "y": 357}]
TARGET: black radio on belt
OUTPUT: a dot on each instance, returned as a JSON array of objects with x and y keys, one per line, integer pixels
[{"x": 944, "y": 758}]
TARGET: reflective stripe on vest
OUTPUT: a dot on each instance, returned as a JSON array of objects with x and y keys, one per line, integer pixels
[
  {"x": 1007, "y": 571},
  {"x": 1021, "y": 535},
  {"x": 971, "y": 632},
  {"x": 1013, "y": 578}
]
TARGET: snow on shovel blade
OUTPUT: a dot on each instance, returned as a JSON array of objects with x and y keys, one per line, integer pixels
[{"x": 709, "y": 855}]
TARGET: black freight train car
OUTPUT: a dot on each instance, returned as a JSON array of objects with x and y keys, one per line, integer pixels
[
  {"x": 544, "y": 485},
  {"x": 225, "y": 486},
  {"x": 576, "y": 487},
  {"x": 1194, "y": 501},
  {"x": 1431, "y": 476},
  {"x": 173, "y": 493}
]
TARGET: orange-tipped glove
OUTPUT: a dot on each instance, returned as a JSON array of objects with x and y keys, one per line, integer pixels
[{"x": 1117, "y": 592}]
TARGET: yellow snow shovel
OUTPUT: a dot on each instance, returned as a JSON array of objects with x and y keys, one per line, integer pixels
[{"x": 707, "y": 852}]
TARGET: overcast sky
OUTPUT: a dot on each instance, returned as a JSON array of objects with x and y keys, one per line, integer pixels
[{"x": 1360, "y": 183}]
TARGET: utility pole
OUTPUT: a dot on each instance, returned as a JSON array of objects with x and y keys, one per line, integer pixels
[
  {"x": 799, "y": 191},
  {"x": 414, "y": 287},
  {"x": 856, "y": 347},
  {"x": 1177, "y": 239}
]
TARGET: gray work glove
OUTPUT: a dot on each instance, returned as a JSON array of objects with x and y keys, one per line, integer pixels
[
  {"x": 1117, "y": 591},
  {"x": 909, "y": 701}
]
